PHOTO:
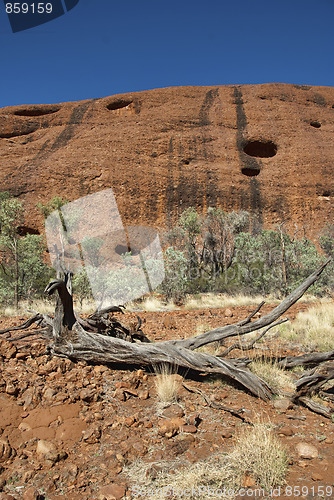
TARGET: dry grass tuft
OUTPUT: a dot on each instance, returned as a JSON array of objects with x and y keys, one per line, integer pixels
[
  {"x": 257, "y": 453},
  {"x": 277, "y": 378},
  {"x": 167, "y": 383},
  {"x": 313, "y": 329},
  {"x": 218, "y": 301}
]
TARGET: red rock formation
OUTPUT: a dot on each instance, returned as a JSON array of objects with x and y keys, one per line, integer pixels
[{"x": 264, "y": 148}]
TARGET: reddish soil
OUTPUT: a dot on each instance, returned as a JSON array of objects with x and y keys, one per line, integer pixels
[
  {"x": 264, "y": 148},
  {"x": 70, "y": 430}
]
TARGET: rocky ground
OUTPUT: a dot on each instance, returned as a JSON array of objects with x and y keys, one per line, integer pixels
[{"x": 72, "y": 430}]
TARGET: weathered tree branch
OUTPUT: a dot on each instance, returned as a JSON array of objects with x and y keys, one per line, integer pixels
[
  {"x": 247, "y": 347},
  {"x": 232, "y": 330},
  {"x": 312, "y": 359},
  {"x": 90, "y": 340}
]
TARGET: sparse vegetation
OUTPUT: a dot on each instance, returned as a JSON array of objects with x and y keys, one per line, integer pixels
[
  {"x": 278, "y": 379},
  {"x": 167, "y": 383},
  {"x": 314, "y": 329},
  {"x": 257, "y": 453},
  {"x": 228, "y": 253},
  {"x": 23, "y": 272}
]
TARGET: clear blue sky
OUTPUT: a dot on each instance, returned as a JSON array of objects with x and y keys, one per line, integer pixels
[{"x": 105, "y": 47}]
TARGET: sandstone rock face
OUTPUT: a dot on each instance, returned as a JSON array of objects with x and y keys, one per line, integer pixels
[{"x": 263, "y": 148}]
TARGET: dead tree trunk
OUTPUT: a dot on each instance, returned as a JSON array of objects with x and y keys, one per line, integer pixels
[
  {"x": 73, "y": 341},
  {"x": 95, "y": 340}
]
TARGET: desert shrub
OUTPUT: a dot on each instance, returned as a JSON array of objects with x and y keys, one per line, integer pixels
[
  {"x": 218, "y": 253},
  {"x": 23, "y": 272},
  {"x": 258, "y": 263},
  {"x": 326, "y": 240},
  {"x": 176, "y": 278},
  {"x": 81, "y": 286}
]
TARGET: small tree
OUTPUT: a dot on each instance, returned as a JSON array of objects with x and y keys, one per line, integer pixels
[
  {"x": 23, "y": 272},
  {"x": 81, "y": 286},
  {"x": 11, "y": 216},
  {"x": 176, "y": 267},
  {"x": 220, "y": 229},
  {"x": 54, "y": 204}
]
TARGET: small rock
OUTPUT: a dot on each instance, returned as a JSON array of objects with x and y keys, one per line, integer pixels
[
  {"x": 307, "y": 451},
  {"x": 143, "y": 394},
  {"x": 189, "y": 428},
  {"x": 112, "y": 491},
  {"x": 119, "y": 394},
  {"x": 194, "y": 420},
  {"x": 226, "y": 434},
  {"x": 10, "y": 350},
  {"x": 128, "y": 421},
  {"x": 45, "y": 448},
  {"x": 303, "y": 464},
  {"x": 11, "y": 389},
  {"x": 170, "y": 428},
  {"x": 286, "y": 431},
  {"x": 122, "y": 385},
  {"x": 31, "y": 494},
  {"x": 139, "y": 449},
  {"x": 92, "y": 435},
  {"x": 87, "y": 395},
  {"x": 169, "y": 322},
  {"x": 49, "y": 393},
  {"x": 228, "y": 313},
  {"x": 316, "y": 476},
  {"x": 100, "y": 369},
  {"x": 283, "y": 404},
  {"x": 24, "y": 427},
  {"x": 130, "y": 392},
  {"x": 6, "y": 451},
  {"x": 173, "y": 411}
]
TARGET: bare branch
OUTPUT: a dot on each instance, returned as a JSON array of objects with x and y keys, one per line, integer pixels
[
  {"x": 250, "y": 345},
  {"x": 232, "y": 330}
]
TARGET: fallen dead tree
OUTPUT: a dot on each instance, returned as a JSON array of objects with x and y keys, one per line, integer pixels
[{"x": 103, "y": 339}]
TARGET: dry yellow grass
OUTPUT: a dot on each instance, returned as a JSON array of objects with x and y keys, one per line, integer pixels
[
  {"x": 313, "y": 329},
  {"x": 167, "y": 383},
  {"x": 219, "y": 301},
  {"x": 278, "y": 379},
  {"x": 257, "y": 453}
]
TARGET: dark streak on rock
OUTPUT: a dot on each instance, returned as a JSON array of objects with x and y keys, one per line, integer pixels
[
  {"x": 75, "y": 119},
  {"x": 248, "y": 163}
]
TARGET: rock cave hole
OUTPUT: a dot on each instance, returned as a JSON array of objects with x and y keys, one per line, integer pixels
[
  {"x": 17, "y": 133},
  {"x": 24, "y": 230},
  {"x": 124, "y": 249},
  {"x": 260, "y": 149},
  {"x": 38, "y": 111},
  {"x": 315, "y": 124},
  {"x": 250, "y": 171},
  {"x": 119, "y": 104}
]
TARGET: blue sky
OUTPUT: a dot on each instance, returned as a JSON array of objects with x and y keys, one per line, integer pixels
[{"x": 105, "y": 47}]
